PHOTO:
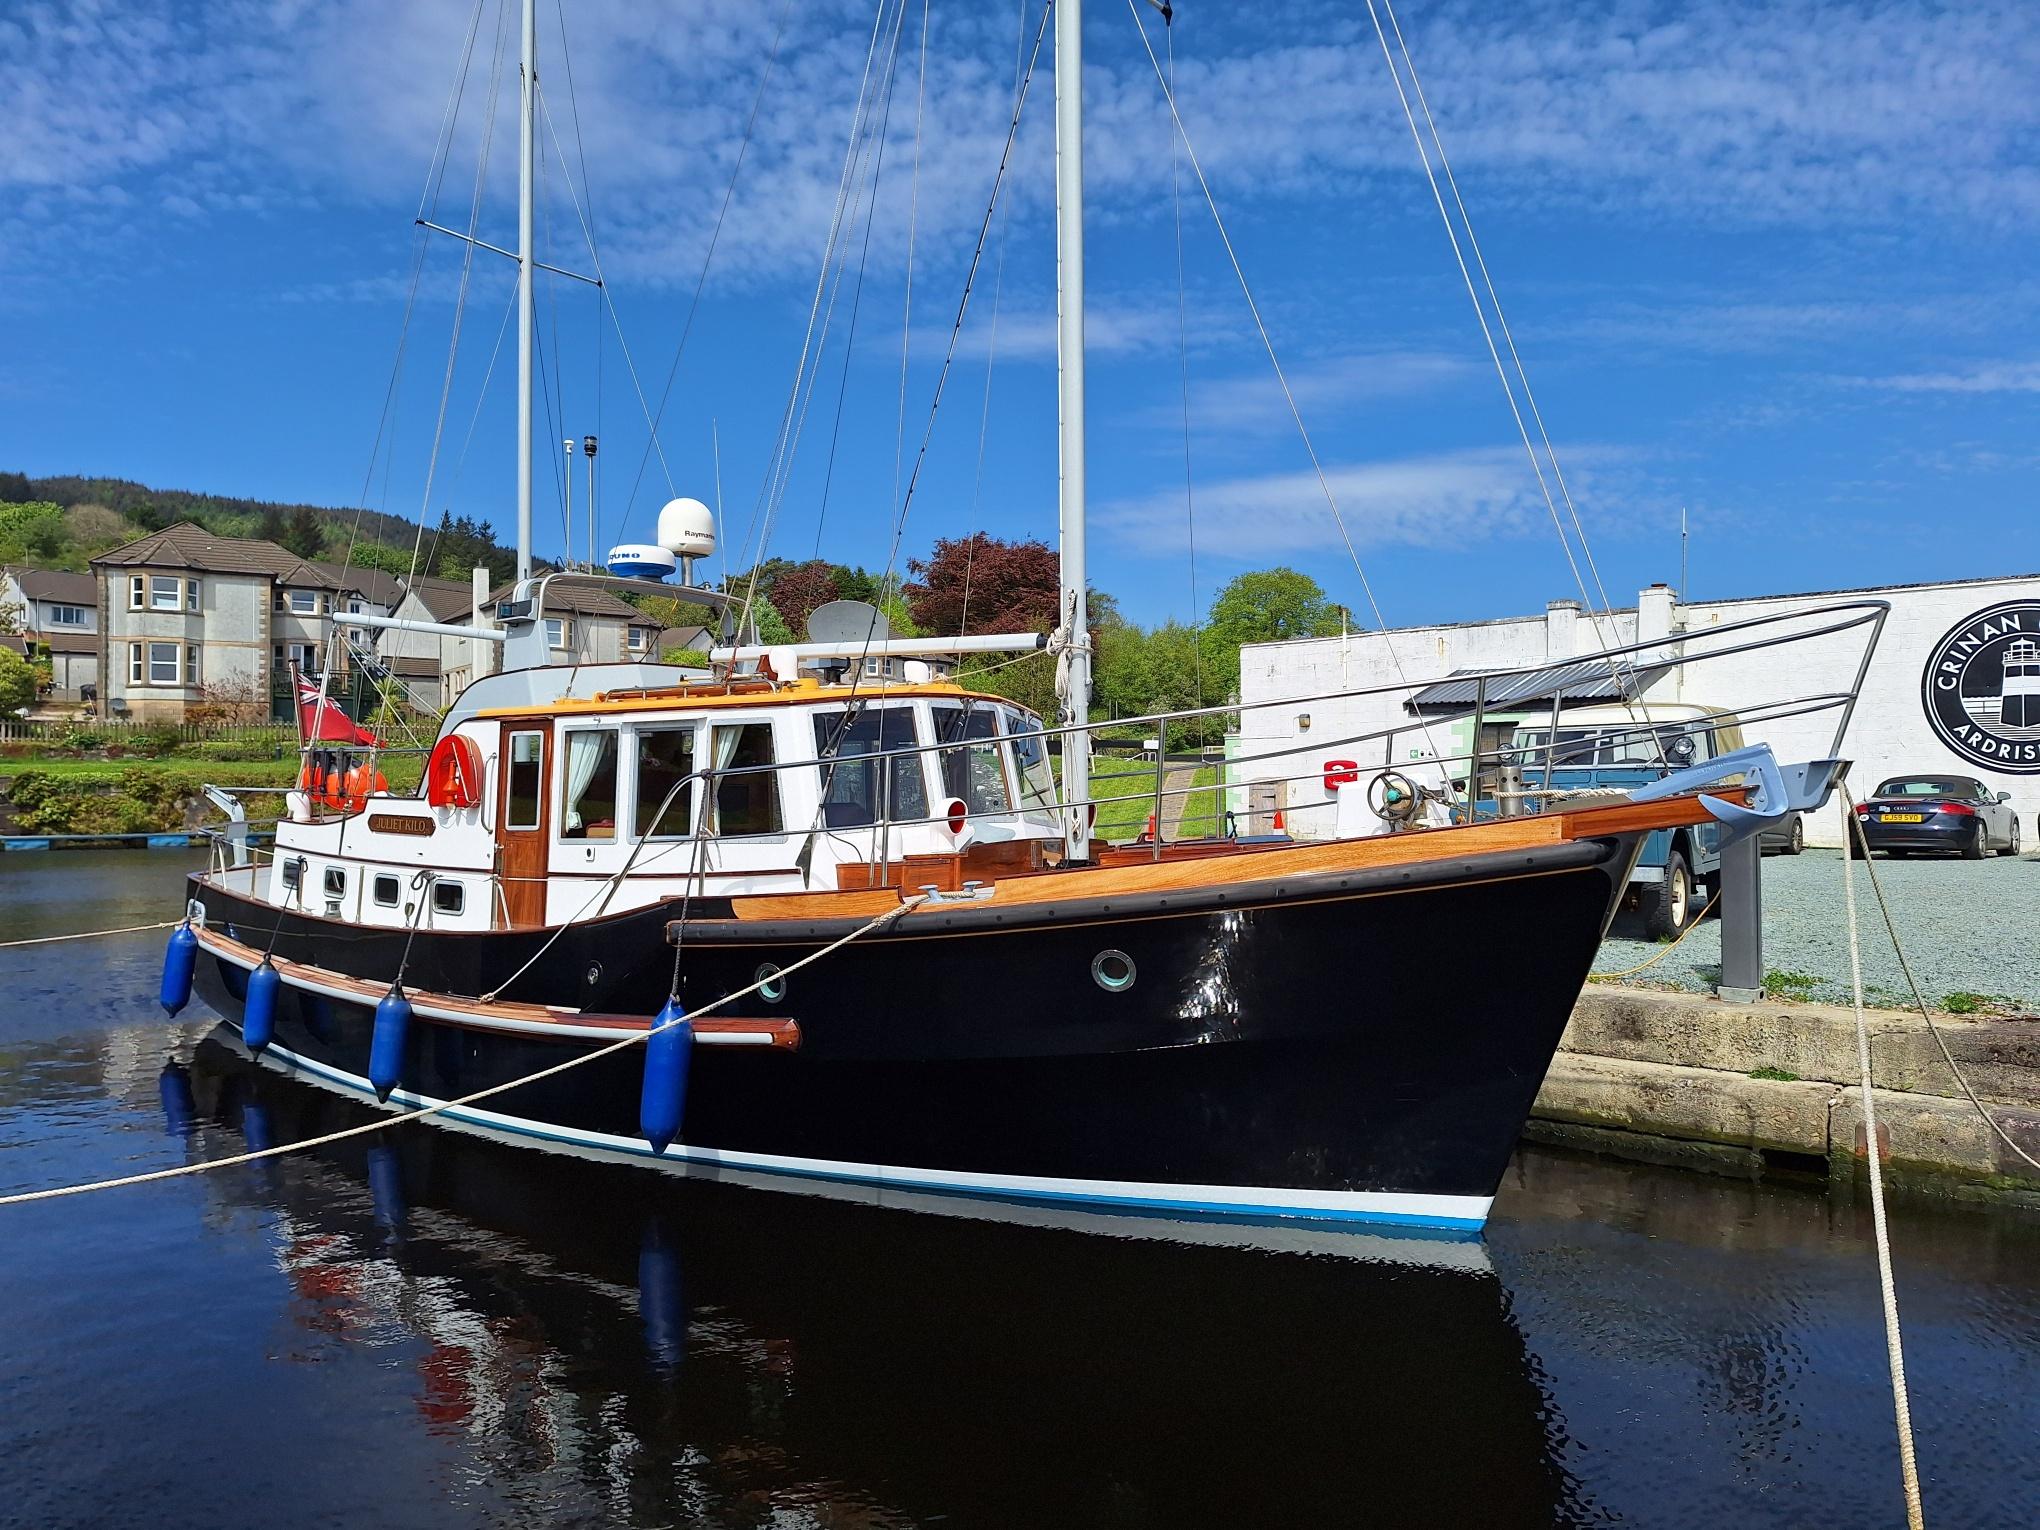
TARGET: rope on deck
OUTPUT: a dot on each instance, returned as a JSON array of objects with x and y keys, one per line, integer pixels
[{"x": 384, "y": 1122}]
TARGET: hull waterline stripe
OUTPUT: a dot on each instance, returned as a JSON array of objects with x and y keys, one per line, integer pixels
[{"x": 1452, "y": 1213}]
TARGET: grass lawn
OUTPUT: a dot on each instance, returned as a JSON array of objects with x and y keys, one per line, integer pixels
[
  {"x": 402, "y": 771},
  {"x": 1127, "y": 818}
]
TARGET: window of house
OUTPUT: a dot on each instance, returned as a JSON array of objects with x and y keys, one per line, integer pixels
[
  {"x": 858, "y": 789},
  {"x": 163, "y": 663},
  {"x": 636, "y": 639},
  {"x": 665, "y": 758},
  {"x": 305, "y": 602},
  {"x": 448, "y": 897},
  {"x": 166, "y": 592},
  {"x": 67, "y": 616},
  {"x": 973, "y": 772},
  {"x": 559, "y": 632},
  {"x": 385, "y": 890},
  {"x": 191, "y": 663},
  {"x": 525, "y": 780},
  {"x": 191, "y": 594},
  {"x": 138, "y": 592},
  {"x": 136, "y": 658},
  {"x": 588, "y": 791},
  {"x": 746, "y": 799}
]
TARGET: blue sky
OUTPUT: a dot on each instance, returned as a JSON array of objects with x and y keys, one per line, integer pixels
[{"x": 1770, "y": 262}]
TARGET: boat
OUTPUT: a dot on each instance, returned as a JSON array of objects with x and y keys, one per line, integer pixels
[{"x": 824, "y": 912}]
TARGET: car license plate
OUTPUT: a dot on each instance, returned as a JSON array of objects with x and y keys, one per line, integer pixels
[{"x": 1903, "y": 818}]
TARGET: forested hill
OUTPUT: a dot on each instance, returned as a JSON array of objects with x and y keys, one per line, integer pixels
[{"x": 63, "y": 521}]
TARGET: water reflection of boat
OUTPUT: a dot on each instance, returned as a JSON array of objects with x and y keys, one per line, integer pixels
[{"x": 738, "y": 1354}]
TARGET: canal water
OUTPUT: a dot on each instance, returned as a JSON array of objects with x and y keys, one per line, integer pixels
[{"x": 427, "y": 1327}]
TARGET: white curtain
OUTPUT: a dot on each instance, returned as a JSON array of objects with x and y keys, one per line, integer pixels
[{"x": 584, "y": 754}]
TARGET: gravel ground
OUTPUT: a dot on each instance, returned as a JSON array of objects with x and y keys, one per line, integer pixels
[{"x": 1969, "y": 927}]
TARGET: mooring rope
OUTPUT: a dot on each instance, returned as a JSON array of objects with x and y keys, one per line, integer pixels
[
  {"x": 1609, "y": 977},
  {"x": 1908, "y": 1464},
  {"x": 131, "y": 929},
  {"x": 383, "y": 1122}
]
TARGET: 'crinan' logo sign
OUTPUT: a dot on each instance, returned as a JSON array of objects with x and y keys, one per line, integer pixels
[{"x": 1982, "y": 688}]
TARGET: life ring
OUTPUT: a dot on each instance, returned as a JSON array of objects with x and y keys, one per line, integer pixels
[{"x": 453, "y": 773}]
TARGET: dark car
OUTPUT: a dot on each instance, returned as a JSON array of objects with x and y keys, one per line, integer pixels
[
  {"x": 1785, "y": 837},
  {"x": 1957, "y": 815}
]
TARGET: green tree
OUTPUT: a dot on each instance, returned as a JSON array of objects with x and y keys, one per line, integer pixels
[
  {"x": 271, "y": 527},
  {"x": 1266, "y": 606},
  {"x": 18, "y": 682},
  {"x": 33, "y": 533},
  {"x": 304, "y": 535}
]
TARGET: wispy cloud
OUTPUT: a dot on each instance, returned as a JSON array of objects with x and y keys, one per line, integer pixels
[
  {"x": 1817, "y": 113},
  {"x": 1447, "y": 499},
  {"x": 1980, "y": 377}
]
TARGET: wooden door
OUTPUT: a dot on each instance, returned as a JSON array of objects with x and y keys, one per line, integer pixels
[{"x": 524, "y": 819}]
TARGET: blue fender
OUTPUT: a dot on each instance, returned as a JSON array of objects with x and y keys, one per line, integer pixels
[
  {"x": 386, "y": 1044},
  {"x": 663, "y": 1101},
  {"x": 180, "y": 961},
  {"x": 258, "y": 1012}
]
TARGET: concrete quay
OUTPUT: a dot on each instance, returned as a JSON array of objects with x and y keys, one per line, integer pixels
[{"x": 1687, "y": 1078}]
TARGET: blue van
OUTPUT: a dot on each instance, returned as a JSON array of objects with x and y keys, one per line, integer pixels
[{"x": 1618, "y": 748}]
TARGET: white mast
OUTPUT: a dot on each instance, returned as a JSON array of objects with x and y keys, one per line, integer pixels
[
  {"x": 527, "y": 146},
  {"x": 1075, "y": 665}
]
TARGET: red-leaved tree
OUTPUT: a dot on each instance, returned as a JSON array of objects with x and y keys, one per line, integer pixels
[
  {"x": 979, "y": 583},
  {"x": 796, "y": 592}
]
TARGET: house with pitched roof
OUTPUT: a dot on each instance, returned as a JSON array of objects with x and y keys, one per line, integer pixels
[
  {"x": 188, "y": 618},
  {"x": 57, "y": 617}
]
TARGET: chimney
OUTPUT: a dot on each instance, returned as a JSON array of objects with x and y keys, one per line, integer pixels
[
  {"x": 1561, "y": 626},
  {"x": 1656, "y": 613}
]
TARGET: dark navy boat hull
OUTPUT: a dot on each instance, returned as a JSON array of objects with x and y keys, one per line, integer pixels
[{"x": 1360, "y": 1047}]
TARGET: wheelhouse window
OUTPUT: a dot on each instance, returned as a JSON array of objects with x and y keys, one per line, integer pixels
[
  {"x": 1030, "y": 754},
  {"x": 858, "y": 789},
  {"x": 588, "y": 794},
  {"x": 524, "y": 781},
  {"x": 665, "y": 758},
  {"x": 973, "y": 772},
  {"x": 746, "y": 799}
]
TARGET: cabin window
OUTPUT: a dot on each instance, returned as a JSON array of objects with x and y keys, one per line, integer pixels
[
  {"x": 448, "y": 897},
  {"x": 293, "y": 874},
  {"x": 1030, "y": 753},
  {"x": 525, "y": 780},
  {"x": 857, "y": 789},
  {"x": 973, "y": 772},
  {"x": 747, "y": 799},
  {"x": 665, "y": 757},
  {"x": 386, "y": 890},
  {"x": 588, "y": 800}
]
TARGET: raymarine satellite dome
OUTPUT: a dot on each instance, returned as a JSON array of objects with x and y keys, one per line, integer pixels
[{"x": 687, "y": 528}]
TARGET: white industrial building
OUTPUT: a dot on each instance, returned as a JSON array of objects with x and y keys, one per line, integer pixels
[{"x": 1938, "y": 695}]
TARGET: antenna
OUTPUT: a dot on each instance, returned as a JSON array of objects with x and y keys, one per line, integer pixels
[{"x": 1682, "y": 555}]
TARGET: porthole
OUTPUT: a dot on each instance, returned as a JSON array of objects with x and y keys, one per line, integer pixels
[
  {"x": 448, "y": 897},
  {"x": 336, "y": 882},
  {"x": 1112, "y": 971},
  {"x": 386, "y": 889},
  {"x": 771, "y": 982},
  {"x": 294, "y": 874}
]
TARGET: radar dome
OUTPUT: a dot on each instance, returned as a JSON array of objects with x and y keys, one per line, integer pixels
[{"x": 687, "y": 528}]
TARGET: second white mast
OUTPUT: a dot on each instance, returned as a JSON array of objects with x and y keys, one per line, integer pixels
[
  {"x": 1075, "y": 663},
  {"x": 527, "y": 159}
]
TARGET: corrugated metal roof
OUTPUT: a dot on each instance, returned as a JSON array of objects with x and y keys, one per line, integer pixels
[{"x": 1592, "y": 679}]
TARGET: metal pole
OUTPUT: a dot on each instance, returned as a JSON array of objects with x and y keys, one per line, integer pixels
[
  {"x": 588, "y": 450},
  {"x": 527, "y": 161},
  {"x": 1742, "y": 922},
  {"x": 568, "y": 476},
  {"x": 1473, "y": 764},
  {"x": 1069, "y": 290}
]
